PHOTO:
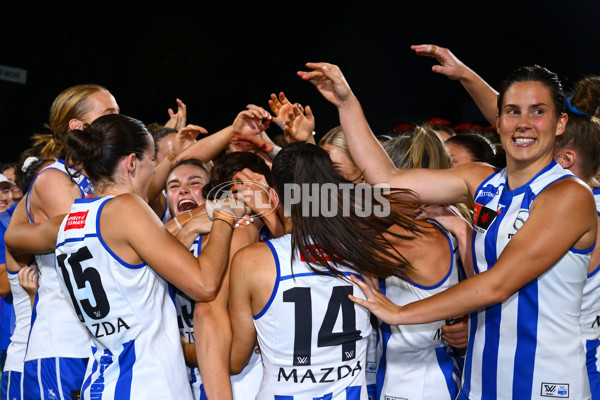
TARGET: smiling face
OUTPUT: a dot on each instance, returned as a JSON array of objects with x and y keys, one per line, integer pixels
[
  {"x": 528, "y": 125},
  {"x": 5, "y": 197},
  {"x": 184, "y": 188}
]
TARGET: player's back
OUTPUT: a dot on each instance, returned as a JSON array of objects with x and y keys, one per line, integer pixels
[
  {"x": 127, "y": 310},
  {"x": 313, "y": 339}
]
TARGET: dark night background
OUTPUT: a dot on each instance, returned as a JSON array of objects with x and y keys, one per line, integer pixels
[{"x": 219, "y": 56}]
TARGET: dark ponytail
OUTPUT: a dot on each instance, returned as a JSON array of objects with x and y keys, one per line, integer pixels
[
  {"x": 99, "y": 147},
  {"x": 344, "y": 237}
]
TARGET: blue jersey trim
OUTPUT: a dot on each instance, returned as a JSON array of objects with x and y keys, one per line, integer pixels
[
  {"x": 33, "y": 317},
  {"x": 77, "y": 239},
  {"x": 87, "y": 200},
  {"x": 583, "y": 251},
  {"x": 117, "y": 258},
  {"x": 276, "y": 287},
  {"x": 286, "y": 277},
  {"x": 526, "y": 186},
  {"x": 440, "y": 283},
  {"x": 594, "y": 271},
  {"x": 352, "y": 393},
  {"x": 482, "y": 184}
]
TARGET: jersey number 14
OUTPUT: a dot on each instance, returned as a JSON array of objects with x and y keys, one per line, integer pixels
[{"x": 301, "y": 297}]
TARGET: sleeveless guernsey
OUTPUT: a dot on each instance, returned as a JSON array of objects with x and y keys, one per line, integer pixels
[
  {"x": 416, "y": 363},
  {"x": 529, "y": 346},
  {"x": 128, "y": 311},
  {"x": 313, "y": 339}
]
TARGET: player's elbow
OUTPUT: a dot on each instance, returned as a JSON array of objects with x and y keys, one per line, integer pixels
[
  {"x": 236, "y": 366},
  {"x": 204, "y": 292},
  {"x": 498, "y": 295}
]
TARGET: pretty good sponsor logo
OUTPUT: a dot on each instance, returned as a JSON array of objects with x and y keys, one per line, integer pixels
[{"x": 76, "y": 220}]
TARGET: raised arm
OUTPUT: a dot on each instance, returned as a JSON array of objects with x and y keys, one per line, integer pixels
[
  {"x": 480, "y": 91},
  {"x": 248, "y": 122},
  {"x": 561, "y": 218},
  {"x": 443, "y": 186}
]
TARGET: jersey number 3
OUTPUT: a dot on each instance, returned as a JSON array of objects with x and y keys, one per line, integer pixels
[{"x": 347, "y": 338}]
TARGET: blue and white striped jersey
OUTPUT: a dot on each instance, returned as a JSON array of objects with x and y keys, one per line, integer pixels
[{"x": 529, "y": 346}]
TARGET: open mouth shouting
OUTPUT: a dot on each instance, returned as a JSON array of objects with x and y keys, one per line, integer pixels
[{"x": 186, "y": 205}]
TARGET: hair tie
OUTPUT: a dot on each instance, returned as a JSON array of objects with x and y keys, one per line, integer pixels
[
  {"x": 574, "y": 109},
  {"x": 28, "y": 162},
  {"x": 56, "y": 138}
]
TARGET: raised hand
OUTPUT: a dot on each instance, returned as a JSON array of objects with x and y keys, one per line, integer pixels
[
  {"x": 252, "y": 188},
  {"x": 186, "y": 136},
  {"x": 252, "y": 121},
  {"x": 302, "y": 125},
  {"x": 450, "y": 66},
  {"x": 298, "y": 123},
  {"x": 177, "y": 120},
  {"x": 482, "y": 93},
  {"x": 329, "y": 80},
  {"x": 280, "y": 106}
]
